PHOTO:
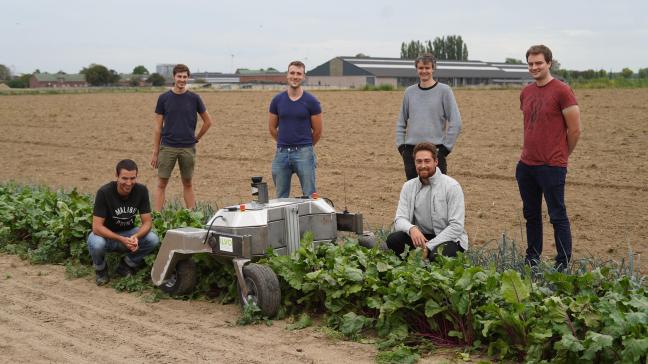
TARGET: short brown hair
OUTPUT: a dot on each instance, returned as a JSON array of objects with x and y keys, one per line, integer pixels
[
  {"x": 181, "y": 68},
  {"x": 540, "y": 49},
  {"x": 299, "y": 64},
  {"x": 426, "y": 58},
  {"x": 425, "y": 146},
  {"x": 127, "y": 164}
]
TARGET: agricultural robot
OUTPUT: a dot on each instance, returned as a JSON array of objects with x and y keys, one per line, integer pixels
[{"x": 242, "y": 234}]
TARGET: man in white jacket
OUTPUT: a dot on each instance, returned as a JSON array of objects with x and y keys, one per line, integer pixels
[{"x": 430, "y": 213}]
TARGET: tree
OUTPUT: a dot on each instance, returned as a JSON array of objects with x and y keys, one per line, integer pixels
[
  {"x": 114, "y": 77},
  {"x": 98, "y": 75},
  {"x": 19, "y": 82},
  {"x": 555, "y": 66},
  {"x": 565, "y": 74},
  {"x": 513, "y": 61},
  {"x": 156, "y": 79},
  {"x": 134, "y": 81},
  {"x": 361, "y": 55},
  {"x": 5, "y": 72},
  {"x": 626, "y": 72},
  {"x": 140, "y": 70},
  {"x": 643, "y": 72},
  {"x": 451, "y": 47},
  {"x": 414, "y": 49}
]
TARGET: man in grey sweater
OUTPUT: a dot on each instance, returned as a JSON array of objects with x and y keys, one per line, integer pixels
[
  {"x": 430, "y": 213},
  {"x": 429, "y": 114}
]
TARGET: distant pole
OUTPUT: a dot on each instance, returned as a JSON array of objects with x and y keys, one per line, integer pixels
[{"x": 232, "y": 64}]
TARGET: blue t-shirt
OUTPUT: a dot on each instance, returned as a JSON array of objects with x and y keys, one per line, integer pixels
[
  {"x": 180, "y": 118},
  {"x": 294, "y": 128}
]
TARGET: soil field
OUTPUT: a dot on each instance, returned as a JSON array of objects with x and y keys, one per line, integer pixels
[
  {"x": 45, "y": 318},
  {"x": 74, "y": 140}
]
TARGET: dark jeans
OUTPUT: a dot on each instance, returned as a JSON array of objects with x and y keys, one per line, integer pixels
[
  {"x": 534, "y": 182},
  {"x": 406, "y": 150},
  {"x": 397, "y": 241}
]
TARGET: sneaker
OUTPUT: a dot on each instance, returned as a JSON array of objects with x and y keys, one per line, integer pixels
[
  {"x": 101, "y": 276},
  {"x": 125, "y": 270}
]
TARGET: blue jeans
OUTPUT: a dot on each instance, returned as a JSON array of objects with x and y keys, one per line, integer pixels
[
  {"x": 99, "y": 246},
  {"x": 300, "y": 160},
  {"x": 534, "y": 182}
]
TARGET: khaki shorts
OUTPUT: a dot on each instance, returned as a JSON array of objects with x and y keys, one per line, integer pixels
[{"x": 186, "y": 158}]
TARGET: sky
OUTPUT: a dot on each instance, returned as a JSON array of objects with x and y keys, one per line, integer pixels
[{"x": 221, "y": 36}]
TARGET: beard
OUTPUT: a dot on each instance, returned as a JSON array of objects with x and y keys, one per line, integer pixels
[{"x": 425, "y": 173}]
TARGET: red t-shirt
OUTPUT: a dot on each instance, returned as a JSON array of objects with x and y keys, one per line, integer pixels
[{"x": 545, "y": 130}]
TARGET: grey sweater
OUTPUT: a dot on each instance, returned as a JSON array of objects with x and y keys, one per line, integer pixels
[
  {"x": 425, "y": 114},
  {"x": 446, "y": 205}
]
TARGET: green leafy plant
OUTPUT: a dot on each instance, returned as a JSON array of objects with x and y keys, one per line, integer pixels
[
  {"x": 484, "y": 300},
  {"x": 252, "y": 315},
  {"x": 302, "y": 322}
]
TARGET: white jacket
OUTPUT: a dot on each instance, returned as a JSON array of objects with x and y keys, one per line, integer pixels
[{"x": 447, "y": 206}]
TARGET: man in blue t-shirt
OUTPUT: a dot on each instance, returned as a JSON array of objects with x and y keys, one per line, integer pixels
[
  {"x": 296, "y": 124},
  {"x": 174, "y": 137}
]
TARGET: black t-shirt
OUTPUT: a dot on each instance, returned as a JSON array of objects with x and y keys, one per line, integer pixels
[
  {"x": 180, "y": 118},
  {"x": 118, "y": 211}
]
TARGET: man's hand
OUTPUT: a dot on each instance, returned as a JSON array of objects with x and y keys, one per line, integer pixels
[
  {"x": 425, "y": 251},
  {"x": 135, "y": 241},
  {"x": 418, "y": 239},
  {"x": 131, "y": 243},
  {"x": 154, "y": 160}
]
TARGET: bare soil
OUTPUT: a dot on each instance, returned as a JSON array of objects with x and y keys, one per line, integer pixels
[
  {"x": 74, "y": 140},
  {"x": 45, "y": 318}
]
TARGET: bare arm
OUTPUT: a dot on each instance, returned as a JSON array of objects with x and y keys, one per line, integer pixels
[
  {"x": 207, "y": 123},
  {"x": 316, "y": 125},
  {"x": 157, "y": 134},
  {"x": 273, "y": 124},
  {"x": 572, "y": 119},
  {"x": 147, "y": 223}
]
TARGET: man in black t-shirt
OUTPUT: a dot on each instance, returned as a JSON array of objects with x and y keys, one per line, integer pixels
[{"x": 113, "y": 223}]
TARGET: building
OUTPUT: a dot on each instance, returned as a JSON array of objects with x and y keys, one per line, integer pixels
[
  {"x": 214, "y": 78},
  {"x": 166, "y": 70},
  {"x": 242, "y": 78},
  {"x": 357, "y": 72},
  {"x": 132, "y": 80},
  {"x": 57, "y": 80},
  {"x": 261, "y": 76}
]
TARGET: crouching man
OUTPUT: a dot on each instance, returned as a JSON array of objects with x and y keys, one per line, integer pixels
[
  {"x": 113, "y": 223},
  {"x": 430, "y": 213}
]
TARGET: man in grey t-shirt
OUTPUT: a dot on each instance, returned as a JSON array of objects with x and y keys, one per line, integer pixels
[{"x": 429, "y": 114}]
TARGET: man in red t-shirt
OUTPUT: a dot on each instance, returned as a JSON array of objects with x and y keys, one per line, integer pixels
[{"x": 551, "y": 132}]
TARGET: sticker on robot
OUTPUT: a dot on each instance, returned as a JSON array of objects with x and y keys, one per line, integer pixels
[{"x": 226, "y": 244}]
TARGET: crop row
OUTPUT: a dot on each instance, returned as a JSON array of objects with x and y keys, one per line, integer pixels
[{"x": 596, "y": 315}]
